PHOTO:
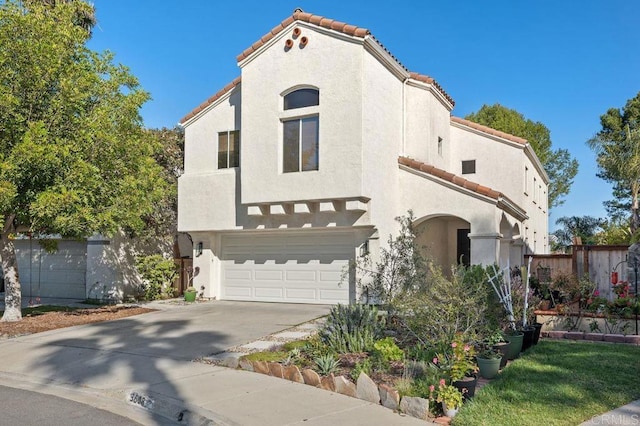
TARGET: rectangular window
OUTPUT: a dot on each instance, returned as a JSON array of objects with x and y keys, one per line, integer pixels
[
  {"x": 300, "y": 145},
  {"x": 229, "y": 149},
  {"x": 468, "y": 167},
  {"x": 526, "y": 180},
  {"x": 439, "y": 146}
]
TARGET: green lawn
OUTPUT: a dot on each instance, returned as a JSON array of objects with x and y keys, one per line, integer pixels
[
  {"x": 43, "y": 309},
  {"x": 557, "y": 383}
]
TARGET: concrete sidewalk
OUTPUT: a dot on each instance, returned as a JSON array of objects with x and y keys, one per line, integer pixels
[
  {"x": 144, "y": 361},
  {"x": 626, "y": 415}
]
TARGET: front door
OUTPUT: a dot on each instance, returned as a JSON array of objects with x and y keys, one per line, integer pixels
[{"x": 464, "y": 247}]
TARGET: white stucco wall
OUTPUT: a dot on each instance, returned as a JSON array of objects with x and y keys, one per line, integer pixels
[
  {"x": 427, "y": 119},
  {"x": 334, "y": 66}
]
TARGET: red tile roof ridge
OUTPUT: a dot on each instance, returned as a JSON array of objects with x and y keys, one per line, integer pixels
[
  {"x": 300, "y": 15},
  {"x": 211, "y": 100},
  {"x": 489, "y": 130},
  {"x": 430, "y": 80},
  {"x": 450, "y": 177},
  {"x": 352, "y": 30}
]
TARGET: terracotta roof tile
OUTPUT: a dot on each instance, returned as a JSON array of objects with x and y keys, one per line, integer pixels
[
  {"x": 450, "y": 177},
  {"x": 352, "y": 30},
  {"x": 211, "y": 100},
  {"x": 299, "y": 15},
  {"x": 489, "y": 130}
]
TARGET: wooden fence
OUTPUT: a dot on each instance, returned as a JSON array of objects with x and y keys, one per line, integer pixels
[
  {"x": 182, "y": 280},
  {"x": 598, "y": 262}
]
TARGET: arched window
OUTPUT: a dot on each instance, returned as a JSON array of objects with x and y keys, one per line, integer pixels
[
  {"x": 300, "y": 146},
  {"x": 301, "y": 98}
]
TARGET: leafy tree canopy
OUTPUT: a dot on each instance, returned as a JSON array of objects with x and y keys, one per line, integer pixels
[
  {"x": 617, "y": 149},
  {"x": 74, "y": 157},
  {"x": 584, "y": 227},
  {"x": 559, "y": 165}
]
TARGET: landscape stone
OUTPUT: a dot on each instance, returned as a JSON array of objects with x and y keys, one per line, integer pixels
[
  {"x": 245, "y": 365},
  {"x": 327, "y": 383},
  {"x": 260, "y": 367},
  {"x": 415, "y": 407},
  {"x": 344, "y": 386},
  {"x": 275, "y": 369},
  {"x": 614, "y": 338},
  {"x": 292, "y": 373},
  {"x": 574, "y": 335},
  {"x": 311, "y": 378},
  {"x": 389, "y": 397},
  {"x": 557, "y": 334},
  {"x": 633, "y": 339},
  {"x": 595, "y": 337},
  {"x": 366, "y": 389}
]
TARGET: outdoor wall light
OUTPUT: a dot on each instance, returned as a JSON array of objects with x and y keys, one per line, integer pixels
[
  {"x": 364, "y": 248},
  {"x": 199, "y": 249}
]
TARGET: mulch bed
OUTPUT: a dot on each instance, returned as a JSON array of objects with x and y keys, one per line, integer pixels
[{"x": 38, "y": 323}]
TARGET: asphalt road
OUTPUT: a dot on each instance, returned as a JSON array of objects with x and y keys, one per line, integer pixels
[{"x": 25, "y": 408}]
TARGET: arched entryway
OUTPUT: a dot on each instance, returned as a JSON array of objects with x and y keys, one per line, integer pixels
[{"x": 444, "y": 239}]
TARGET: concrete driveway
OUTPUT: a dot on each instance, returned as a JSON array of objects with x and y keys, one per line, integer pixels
[
  {"x": 143, "y": 361},
  {"x": 183, "y": 332}
]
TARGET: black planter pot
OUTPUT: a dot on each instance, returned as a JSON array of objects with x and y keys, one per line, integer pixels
[
  {"x": 468, "y": 383},
  {"x": 527, "y": 340},
  {"x": 536, "y": 334},
  {"x": 503, "y": 347}
]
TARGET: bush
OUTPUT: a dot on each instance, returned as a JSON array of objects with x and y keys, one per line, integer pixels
[
  {"x": 388, "y": 350},
  {"x": 158, "y": 274},
  {"x": 351, "y": 328}
]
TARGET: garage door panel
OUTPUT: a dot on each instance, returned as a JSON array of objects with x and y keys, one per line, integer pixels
[
  {"x": 301, "y": 276},
  {"x": 301, "y": 294},
  {"x": 273, "y": 293},
  {"x": 306, "y": 268},
  {"x": 268, "y": 275}
]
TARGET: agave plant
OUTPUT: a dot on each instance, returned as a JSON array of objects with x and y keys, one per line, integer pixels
[{"x": 327, "y": 364}]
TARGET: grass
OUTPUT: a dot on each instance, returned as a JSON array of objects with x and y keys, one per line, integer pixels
[
  {"x": 276, "y": 356},
  {"x": 557, "y": 383}
]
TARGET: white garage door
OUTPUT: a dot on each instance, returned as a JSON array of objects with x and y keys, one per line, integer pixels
[
  {"x": 59, "y": 274},
  {"x": 304, "y": 268}
]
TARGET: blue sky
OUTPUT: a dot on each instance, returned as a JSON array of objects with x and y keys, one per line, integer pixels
[{"x": 563, "y": 63}]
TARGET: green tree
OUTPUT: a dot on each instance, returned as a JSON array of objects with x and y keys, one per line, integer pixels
[
  {"x": 617, "y": 149},
  {"x": 584, "y": 227},
  {"x": 74, "y": 158},
  {"x": 614, "y": 232},
  {"x": 559, "y": 165},
  {"x": 161, "y": 223}
]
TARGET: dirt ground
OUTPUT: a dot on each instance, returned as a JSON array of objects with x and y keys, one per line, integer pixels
[{"x": 36, "y": 323}]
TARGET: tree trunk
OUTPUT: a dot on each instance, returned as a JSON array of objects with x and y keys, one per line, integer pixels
[{"x": 12, "y": 292}]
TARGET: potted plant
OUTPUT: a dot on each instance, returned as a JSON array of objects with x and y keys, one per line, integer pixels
[
  {"x": 514, "y": 337},
  {"x": 450, "y": 398},
  {"x": 496, "y": 340},
  {"x": 488, "y": 360},
  {"x": 190, "y": 294},
  {"x": 463, "y": 367}
]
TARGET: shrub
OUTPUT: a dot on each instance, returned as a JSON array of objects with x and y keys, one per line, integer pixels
[
  {"x": 326, "y": 364},
  {"x": 351, "y": 328},
  {"x": 363, "y": 366},
  {"x": 388, "y": 350},
  {"x": 158, "y": 274}
]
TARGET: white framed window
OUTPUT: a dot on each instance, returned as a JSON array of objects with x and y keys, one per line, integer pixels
[
  {"x": 229, "y": 149},
  {"x": 300, "y": 131}
]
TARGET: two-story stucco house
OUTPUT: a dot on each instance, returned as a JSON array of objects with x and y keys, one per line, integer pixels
[{"x": 303, "y": 163}]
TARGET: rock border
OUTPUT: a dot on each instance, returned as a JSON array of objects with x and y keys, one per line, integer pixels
[{"x": 365, "y": 388}]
